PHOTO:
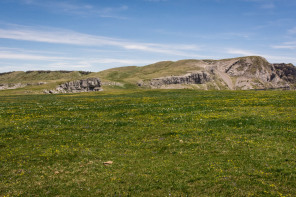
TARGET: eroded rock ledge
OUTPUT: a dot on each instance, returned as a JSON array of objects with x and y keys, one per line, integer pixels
[
  {"x": 191, "y": 78},
  {"x": 84, "y": 85}
]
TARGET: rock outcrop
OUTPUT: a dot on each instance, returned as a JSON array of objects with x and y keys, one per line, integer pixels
[
  {"x": 254, "y": 73},
  {"x": 84, "y": 85},
  {"x": 191, "y": 78},
  {"x": 10, "y": 86},
  {"x": 234, "y": 74},
  {"x": 286, "y": 72}
]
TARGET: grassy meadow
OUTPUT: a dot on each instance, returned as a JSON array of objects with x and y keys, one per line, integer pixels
[{"x": 161, "y": 143}]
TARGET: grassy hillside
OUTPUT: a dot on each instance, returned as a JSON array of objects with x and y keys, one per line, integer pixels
[
  {"x": 50, "y": 78},
  {"x": 162, "y": 143},
  {"x": 36, "y": 76},
  {"x": 129, "y": 76},
  {"x": 161, "y": 69}
]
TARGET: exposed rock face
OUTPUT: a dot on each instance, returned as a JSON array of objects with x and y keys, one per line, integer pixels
[
  {"x": 9, "y": 86},
  {"x": 112, "y": 83},
  {"x": 85, "y": 85},
  {"x": 234, "y": 74},
  {"x": 286, "y": 72},
  {"x": 191, "y": 78},
  {"x": 255, "y": 73}
]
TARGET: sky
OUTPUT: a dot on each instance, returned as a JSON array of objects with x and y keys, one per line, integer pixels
[{"x": 94, "y": 35}]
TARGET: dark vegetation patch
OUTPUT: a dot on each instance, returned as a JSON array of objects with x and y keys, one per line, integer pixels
[{"x": 5, "y": 73}]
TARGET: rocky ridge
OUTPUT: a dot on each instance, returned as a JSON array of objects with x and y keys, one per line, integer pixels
[
  {"x": 233, "y": 74},
  {"x": 242, "y": 73}
]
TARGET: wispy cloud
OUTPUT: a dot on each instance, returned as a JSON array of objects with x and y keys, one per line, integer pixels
[
  {"x": 268, "y": 5},
  {"x": 264, "y": 4},
  {"x": 292, "y": 31},
  {"x": 39, "y": 61},
  {"x": 22, "y": 54},
  {"x": 28, "y": 56},
  {"x": 261, "y": 7},
  {"x": 277, "y": 59},
  {"x": 117, "y": 61},
  {"x": 211, "y": 36},
  {"x": 290, "y": 44},
  {"x": 291, "y": 47},
  {"x": 97, "y": 64},
  {"x": 286, "y": 45},
  {"x": 78, "y": 9},
  {"x": 272, "y": 58},
  {"x": 241, "y": 52},
  {"x": 59, "y": 36}
]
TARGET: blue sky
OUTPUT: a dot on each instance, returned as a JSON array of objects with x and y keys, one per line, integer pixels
[{"x": 95, "y": 35}]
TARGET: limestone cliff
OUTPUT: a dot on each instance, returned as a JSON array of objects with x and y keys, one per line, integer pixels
[
  {"x": 191, "y": 78},
  {"x": 233, "y": 74}
]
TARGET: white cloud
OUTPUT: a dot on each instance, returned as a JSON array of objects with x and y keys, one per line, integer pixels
[
  {"x": 271, "y": 58},
  {"x": 25, "y": 56},
  {"x": 279, "y": 59},
  {"x": 59, "y": 36},
  {"x": 18, "y": 60},
  {"x": 98, "y": 64},
  {"x": 241, "y": 52},
  {"x": 117, "y": 61},
  {"x": 284, "y": 47},
  {"x": 290, "y": 44},
  {"x": 56, "y": 36}
]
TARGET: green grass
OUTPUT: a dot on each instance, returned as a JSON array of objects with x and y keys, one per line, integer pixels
[
  {"x": 162, "y": 143},
  {"x": 45, "y": 76}
]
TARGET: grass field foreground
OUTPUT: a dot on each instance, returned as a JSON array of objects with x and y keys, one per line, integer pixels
[{"x": 161, "y": 142}]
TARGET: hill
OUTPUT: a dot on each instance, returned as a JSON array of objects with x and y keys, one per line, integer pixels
[
  {"x": 241, "y": 73},
  {"x": 244, "y": 73}
]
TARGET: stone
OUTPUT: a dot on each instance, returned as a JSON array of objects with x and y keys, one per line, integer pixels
[
  {"x": 108, "y": 163},
  {"x": 84, "y": 85},
  {"x": 192, "y": 78}
]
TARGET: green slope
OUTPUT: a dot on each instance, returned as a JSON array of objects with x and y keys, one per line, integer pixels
[
  {"x": 133, "y": 74},
  {"x": 37, "y": 76}
]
